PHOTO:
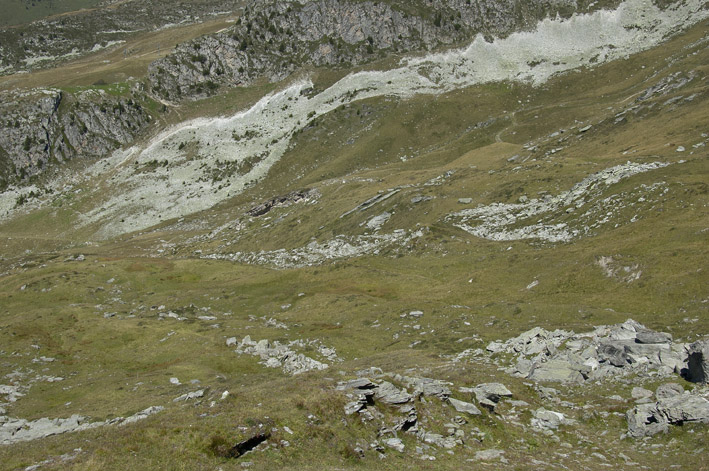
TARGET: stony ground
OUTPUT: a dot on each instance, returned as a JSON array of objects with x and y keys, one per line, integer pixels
[{"x": 496, "y": 275}]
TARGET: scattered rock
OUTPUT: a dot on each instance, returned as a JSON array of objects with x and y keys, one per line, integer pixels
[
  {"x": 420, "y": 199},
  {"x": 284, "y": 201},
  {"x": 378, "y": 221},
  {"x": 277, "y": 355},
  {"x": 395, "y": 443},
  {"x": 489, "y": 455},
  {"x": 429, "y": 387},
  {"x": 549, "y": 420},
  {"x": 489, "y": 394},
  {"x": 190, "y": 395}
]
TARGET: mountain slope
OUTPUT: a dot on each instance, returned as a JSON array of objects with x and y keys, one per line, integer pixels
[{"x": 400, "y": 230}]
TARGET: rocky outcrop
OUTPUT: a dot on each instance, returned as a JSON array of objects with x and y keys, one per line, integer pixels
[
  {"x": 284, "y": 356},
  {"x": 273, "y": 39},
  {"x": 369, "y": 399},
  {"x": 606, "y": 352},
  {"x": 14, "y": 430},
  {"x": 43, "y": 126},
  {"x": 674, "y": 406},
  {"x": 541, "y": 218},
  {"x": 307, "y": 196}
]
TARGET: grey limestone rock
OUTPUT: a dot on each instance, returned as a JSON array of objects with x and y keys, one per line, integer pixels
[
  {"x": 668, "y": 390},
  {"x": 395, "y": 443},
  {"x": 653, "y": 337},
  {"x": 558, "y": 370},
  {"x": 489, "y": 455},
  {"x": 330, "y": 32},
  {"x": 464, "y": 407},
  {"x": 390, "y": 394},
  {"x": 489, "y": 394},
  {"x": 672, "y": 408},
  {"x": 359, "y": 383},
  {"x": 614, "y": 354},
  {"x": 189, "y": 395},
  {"x": 430, "y": 387},
  {"x": 640, "y": 393},
  {"x": 549, "y": 420},
  {"x": 41, "y": 126}
]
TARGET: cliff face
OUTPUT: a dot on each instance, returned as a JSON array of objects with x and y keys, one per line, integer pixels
[
  {"x": 42, "y": 126},
  {"x": 272, "y": 39}
]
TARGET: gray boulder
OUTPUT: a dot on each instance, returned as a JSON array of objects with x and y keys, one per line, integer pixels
[
  {"x": 558, "y": 370},
  {"x": 395, "y": 443},
  {"x": 491, "y": 391},
  {"x": 684, "y": 408},
  {"x": 653, "y": 337},
  {"x": 549, "y": 420},
  {"x": 698, "y": 362},
  {"x": 668, "y": 390},
  {"x": 390, "y": 394},
  {"x": 613, "y": 353},
  {"x": 360, "y": 383},
  {"x": 464, "y": 407},
  {"x": 430, "y": 387},
  {"x": 642, "y": 421},
  {"x": 489, "y": 394},
  {"x": 674, "y": 408},
  {"x": 640, "y": 393}
]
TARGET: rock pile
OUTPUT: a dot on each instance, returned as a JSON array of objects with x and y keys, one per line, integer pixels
[
  {"x": 606, "y": 352},
  {"x": 278, "y": 355},
  {"x": 366, "y": 394}
]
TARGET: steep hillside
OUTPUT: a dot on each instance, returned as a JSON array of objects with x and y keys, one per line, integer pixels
[
  {"x": 273, "y": 39},
  {"x": 488, "y": 257}
]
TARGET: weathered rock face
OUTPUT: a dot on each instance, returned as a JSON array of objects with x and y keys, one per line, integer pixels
[
  {"x": 272, "y": 39},
  {"x": 13, "y": 430},
  {"x": 674, "y": 406},
  {"x": 41, "y": 126},
  {"x": 46, "y": 42}
]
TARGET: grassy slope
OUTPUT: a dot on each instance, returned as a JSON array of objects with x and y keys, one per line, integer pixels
[
  {"x": 119, "y": 365},
  {"x": 16, "y": 12}
]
